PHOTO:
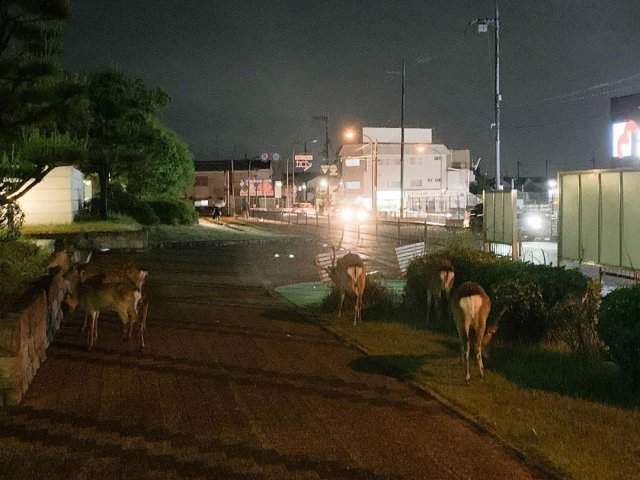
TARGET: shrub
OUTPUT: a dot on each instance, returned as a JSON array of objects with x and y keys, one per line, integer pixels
[
  {"x": 127, "y": 204},
  {"x": 174, "y": 212},
  {"x": 21, "y": 262},
  {"x": 619, "y": 329},
  {"x": 377, "y": 302},
  {"x": 575, "y": 323},
  {"x": 11, "y": 221},
  {"x": 519, "y": 307},
  {"x": 523, "y": 294}
]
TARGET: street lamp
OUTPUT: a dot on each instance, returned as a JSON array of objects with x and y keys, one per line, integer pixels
[{"x": 350, "y": 134}]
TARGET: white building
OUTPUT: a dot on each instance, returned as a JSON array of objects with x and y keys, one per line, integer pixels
[
  {"x": 435, "y": 178},
  {"x": 56, "y": 199}
]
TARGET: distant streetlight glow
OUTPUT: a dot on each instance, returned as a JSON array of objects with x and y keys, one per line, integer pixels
[
  {"x": 324, "y": 183},
  {"x": 421, "y": 149},
  {"x": 349, "y": 134},
  {"x": 552, "y": 183}
]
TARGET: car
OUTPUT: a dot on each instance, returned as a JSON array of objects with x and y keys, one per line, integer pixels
[{"x": 303, "y": 207}]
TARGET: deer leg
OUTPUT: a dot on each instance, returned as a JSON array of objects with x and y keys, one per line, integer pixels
[
  {"x": 466, "y": 347},
  {"x": 342, "y": 293},
  {"x": 429, "y": 304},
  {"x": 356, "y": 311},
  {"x": 84, "y": 324},
  {"x": 479, "y": 337},
  {"x": 91, "y": 330},
  {"x": 143, "y": 321}
]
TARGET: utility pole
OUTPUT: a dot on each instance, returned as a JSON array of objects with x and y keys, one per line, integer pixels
[
  {"x": 402, "y": 140},
  {"x": 325, "y": 119},
  {"x": 483, "y": 26}
]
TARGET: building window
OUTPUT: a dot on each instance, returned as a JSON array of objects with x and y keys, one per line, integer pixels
[
  {"x": 202, "y": 181},
  {"x": 416, "y": 182},
  {"x": 352, "y": 162},
  {"x": 352, "y": 185},
  {"x": 437, "y": 158},
  {"x": 393, "y": 183}
]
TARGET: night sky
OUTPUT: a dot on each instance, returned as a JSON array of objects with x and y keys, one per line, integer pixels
[{"x": 252, "y": 73}]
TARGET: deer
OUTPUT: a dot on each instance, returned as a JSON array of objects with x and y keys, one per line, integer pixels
[
  {"x": 93, "y": 297},
  {"x": 470, "y": 306},
  {"x": 349, "y": 275},
  {"x": 439, "y": 285}
]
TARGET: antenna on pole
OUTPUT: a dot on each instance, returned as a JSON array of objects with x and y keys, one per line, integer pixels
[{"x": 483, "y": 25}]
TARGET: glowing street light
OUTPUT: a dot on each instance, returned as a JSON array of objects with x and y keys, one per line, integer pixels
[{"x": 349, "y": 134}]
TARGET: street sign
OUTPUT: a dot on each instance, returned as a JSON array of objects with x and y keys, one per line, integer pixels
[
  {"x": 333, "y": 170},
  {"x": 324, "y": 169},
  {"x": 304, "y": 161},
  {"x": 276, "y": 157}
]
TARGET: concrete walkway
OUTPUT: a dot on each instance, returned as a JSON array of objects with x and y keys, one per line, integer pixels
[{"x": 233, "y": 385}]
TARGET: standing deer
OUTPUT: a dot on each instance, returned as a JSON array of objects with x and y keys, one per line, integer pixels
[
  {"x": 94, "y": 296},
  {"x": 128, "y": 274},
  {"x": 439, "y": 285},
  {"x": 470, "y": 306},
  {"x": 349, "y": 275}
]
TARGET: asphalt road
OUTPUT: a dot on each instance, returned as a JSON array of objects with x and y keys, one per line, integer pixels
[{"x": 234, "y": 384}]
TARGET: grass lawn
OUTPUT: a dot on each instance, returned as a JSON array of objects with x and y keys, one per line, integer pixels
[
  {"x": 115, "y": 224},
  {"x": 581, "y": 419},
  {"x": 206, "y": 231}
]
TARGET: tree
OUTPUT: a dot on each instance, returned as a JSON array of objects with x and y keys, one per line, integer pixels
[
  {"x": 39, "y": 103},
  {"x": 123, "y": 111},
  {"x": 166, "y": 169}
]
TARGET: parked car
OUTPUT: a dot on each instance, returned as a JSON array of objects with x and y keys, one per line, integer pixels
[{"x": 303, "y": 207}]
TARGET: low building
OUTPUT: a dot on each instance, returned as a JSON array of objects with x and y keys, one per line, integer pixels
[
  {"x": 435, "y": 178},
  {"x": 57, "y": 198},
  {"x": 227, "y": 180}
]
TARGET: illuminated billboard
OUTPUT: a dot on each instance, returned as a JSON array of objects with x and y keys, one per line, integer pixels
[
  {"x": 625, "y": 127},
  {"x": 626, "y": 139}
]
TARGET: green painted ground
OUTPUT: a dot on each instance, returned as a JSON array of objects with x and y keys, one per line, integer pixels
[{"x": 311, "y": 294}]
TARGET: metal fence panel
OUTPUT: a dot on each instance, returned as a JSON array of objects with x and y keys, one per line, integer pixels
[
  {"x": 600, "y": 217},
  {"x": 631, "y": 220},
  {"x": 569, "y": 217},
  {"x": 508, "y": 216},
  {"x": 610, "y": 218},
  {"x": 589, "y": 216}
]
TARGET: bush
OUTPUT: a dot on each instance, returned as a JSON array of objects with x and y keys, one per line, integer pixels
[
  {"x": 377, "y": 302},
  {"x": 124, "y": 203},
  {"x": 174, "y": 212},
  {"x": 21, "y": 263},
  {"x": 11, "y": 221},
  {"x": 619, "y": 329},
  {"x": 576, "y": 323},
  {"x": 523, "y": 294}
]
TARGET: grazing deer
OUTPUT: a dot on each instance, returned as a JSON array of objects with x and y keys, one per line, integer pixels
[
  {"x": 349, "y": 275},
  {"x": 439, "y": 285},
  {"x": 470, "y": 306}
]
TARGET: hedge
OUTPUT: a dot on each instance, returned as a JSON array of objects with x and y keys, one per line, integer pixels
[
  {"x": 619, "y": 329},
  {"x": 174, "y": 212},
  {"x": 524, "y": 296}
]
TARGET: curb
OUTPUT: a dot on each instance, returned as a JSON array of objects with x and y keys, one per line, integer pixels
[
  {"x": 219, "y": 243},
  {"x": 540, "y": 467}
]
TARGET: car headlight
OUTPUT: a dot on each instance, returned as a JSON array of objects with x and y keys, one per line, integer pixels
[
  {"x": 533, "y": 221},
  {"x": 346, "y": 214}
]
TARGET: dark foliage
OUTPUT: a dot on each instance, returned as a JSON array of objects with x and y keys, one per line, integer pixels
[{"x": 619, "y": 329}]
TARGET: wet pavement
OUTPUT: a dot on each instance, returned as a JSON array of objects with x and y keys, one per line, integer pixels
[{"x": 233, "y": 384}]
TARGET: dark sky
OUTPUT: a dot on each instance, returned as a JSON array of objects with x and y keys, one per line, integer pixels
[{"x": 252, "y": 73}]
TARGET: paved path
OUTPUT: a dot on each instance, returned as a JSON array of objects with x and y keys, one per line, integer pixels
[{"x": 233, "y": 385}]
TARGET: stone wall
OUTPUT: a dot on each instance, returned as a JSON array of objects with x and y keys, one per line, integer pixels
[{"x": 23, "y": 348}]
